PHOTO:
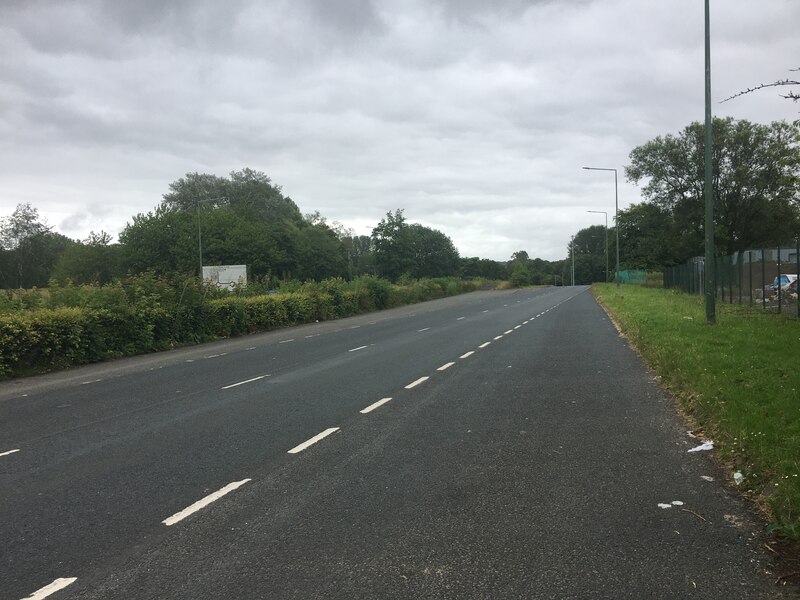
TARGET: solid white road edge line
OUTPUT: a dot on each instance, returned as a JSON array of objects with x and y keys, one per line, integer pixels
[
  {"x": 356, "y": 349},
  {"x": 445, "y": 366},
  {"x": 179, "y": 516},
  {"x": 372, "y": 407},
  {"x": 313, "y": 440},
  {"x": 484, "y": 344},
  {"x": 467, "y": 354},
  {"x": 58, "y": 584},
  {"x": 9, "y": 452},
  {"x": 227, "y": 387},
  {"x": 417, "y": 382}
]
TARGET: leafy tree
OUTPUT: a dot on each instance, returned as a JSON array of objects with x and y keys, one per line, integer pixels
[
  {"x": 756, "y": 181},
  {"x": 95, "y": 260},
  {"x": 647, "y": 238},
  {"x": 520, "y": 276},
  {"x": 394, "y": 251},
  {"x": 360, "y": 254},
  {"x": 28, "y": 248},
  {"x": 589, "y": 247},
  {"x": 433, "y": 252}
]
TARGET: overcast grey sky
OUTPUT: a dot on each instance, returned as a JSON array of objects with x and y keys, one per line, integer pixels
[{"x": 473, "y": 116}]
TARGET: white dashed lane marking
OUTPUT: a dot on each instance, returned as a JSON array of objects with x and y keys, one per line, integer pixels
[
  {"x": 445, "y": 366},
  {"x": 468, "y": 354},
  {"x": 233, "y": 385},
  {"x": 484, "y": 344},
  {"x": 7, "y": 452},
  {"x": 58, "y": 584},
  {"x": 357, "y": 349},
  {"x": 180, "y": 516},
  {"x": 377, "y": 404},
  {"x": 424, "y": 329},
  {"x": 313, "y": 440},
  {"x": 414, "y": 384}
]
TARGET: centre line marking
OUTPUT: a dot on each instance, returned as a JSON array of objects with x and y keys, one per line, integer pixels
[
  {"x": 179, "y": 516},
  {"x": 58, "y": 584},
  {"x": 497, "y": 337},
  {"x": 355, "y": 326},
  {"x": 313, "y": 440},
  {"x": 359, "y": 348},
  {"x": 445, "y": 366},
  {"x": 484, "y": 344},
  {"x": 487, "y": 310},
  {"x": 460, "y": 319},
  {"x": 92, "y": 381},
  {"x": 9, "y": 452},
  {"x": 525, "y": 322},
  {"x": 424, "y": 329},
  {"x": 467, "y": 354},
  {"x": 417, "y": 382},
  {"x": 286, "y": 341},
  {"x": 507, "y": 332},
  {"x": 372, "y": 407},
  {"x": 518, "y": 326},
  {"x": 227, "y": 387}
]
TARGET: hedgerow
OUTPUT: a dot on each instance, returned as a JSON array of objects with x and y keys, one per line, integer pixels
[{"x": 72, "y": 325}]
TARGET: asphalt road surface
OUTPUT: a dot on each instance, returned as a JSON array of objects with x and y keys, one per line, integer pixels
[{"x": 493, "y": 445}]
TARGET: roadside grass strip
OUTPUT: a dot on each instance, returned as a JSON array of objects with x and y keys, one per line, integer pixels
[
  {"x": 189, "y": 510},
  {"x": 739, "y": 380},
  {"x": 52, "y": 588},
  {"x": 313, "y": 440}
]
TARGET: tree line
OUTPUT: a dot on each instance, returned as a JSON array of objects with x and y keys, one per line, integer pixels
[
  {"x": 756, "y": 190},
  {"x": 241, "y": 219}
]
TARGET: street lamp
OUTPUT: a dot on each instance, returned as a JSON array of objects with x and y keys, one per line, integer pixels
[
  {"x": 616, "y": 213},
  {"x": 606, "y": 214},
  {"x": 572, "y": 252},
  {"x": 199, "y": 232}
]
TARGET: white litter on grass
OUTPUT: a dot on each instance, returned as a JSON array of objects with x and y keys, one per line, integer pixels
[
  {"x": 738, "y": 477},
  {"x": 702, "y": 447},
  {"x": 677, "y": 503},
  {"x": 662, "y": 505},
  {"x": 706, "y": 478}
]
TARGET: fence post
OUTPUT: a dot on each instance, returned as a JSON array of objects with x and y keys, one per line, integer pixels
[
  {"x": 750, "y": 280},
  {"x": 739, "y": 257},
  {"x": 779, "y": 281},
  {"x": 763, "y": 283}
]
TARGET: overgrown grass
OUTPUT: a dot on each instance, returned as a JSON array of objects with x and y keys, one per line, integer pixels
[{"x": 739, "y": 379}]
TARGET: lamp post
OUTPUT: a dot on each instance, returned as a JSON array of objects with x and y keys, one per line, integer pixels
[
  {"x": 572, "y": 252},
  {"x": 710, "y": 280},
  {"x": 606, "y": 214},
  {"x": 199, "y": 232},
  {"x": 616, "y": 214}
]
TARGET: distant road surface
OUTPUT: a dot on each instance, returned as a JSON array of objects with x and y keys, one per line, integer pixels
[{"x": 499, "y": 444}]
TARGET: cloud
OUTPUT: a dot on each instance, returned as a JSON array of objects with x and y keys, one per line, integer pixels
[{"x": 473, "y": 116}]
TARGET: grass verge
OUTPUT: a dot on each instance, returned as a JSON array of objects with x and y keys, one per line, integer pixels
[{"x": 738, "y": 379}]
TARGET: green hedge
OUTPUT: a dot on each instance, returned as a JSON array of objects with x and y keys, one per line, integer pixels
[{"x": 45, "y": 339}]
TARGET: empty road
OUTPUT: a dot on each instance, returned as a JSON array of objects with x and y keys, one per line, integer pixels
[{"x": 499, "y": 444}]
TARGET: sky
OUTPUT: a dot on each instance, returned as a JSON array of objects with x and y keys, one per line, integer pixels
[{"x": 475, "y": 117}]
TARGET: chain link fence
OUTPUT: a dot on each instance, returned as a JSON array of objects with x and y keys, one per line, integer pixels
[{"x": 766, "y": 278}]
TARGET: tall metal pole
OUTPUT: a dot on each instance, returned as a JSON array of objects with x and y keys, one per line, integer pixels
[
  {"x": 616, "y": 213},
  {"x": 606, "y": 215},
  {"x": 711, "y": 286},
  {"x": 572, "y": 251},
  {"x": 199, "y": 239}
]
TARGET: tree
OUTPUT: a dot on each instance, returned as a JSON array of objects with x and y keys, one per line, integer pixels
[
  {"x": 756, "y": 180},
  {"x": 647, "y": 239},
  {"x": 394, "y": 252},
  {"x": 28, "y": 248},
  {"x": 95, "y": 260},
  {"x": 433, "y": 252},
  {"x": 589, "y": 246}
]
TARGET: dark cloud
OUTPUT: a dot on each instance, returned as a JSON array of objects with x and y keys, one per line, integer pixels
[{"x": 473, "y": 116}]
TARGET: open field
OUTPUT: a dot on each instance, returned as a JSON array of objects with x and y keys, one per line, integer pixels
[{"x": 739, "y": 380}]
